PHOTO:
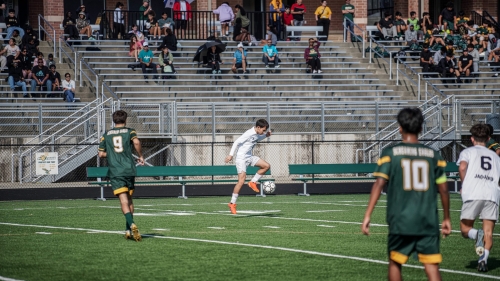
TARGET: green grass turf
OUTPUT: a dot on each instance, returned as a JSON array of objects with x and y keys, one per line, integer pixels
[{"x": 166, "y": 254}]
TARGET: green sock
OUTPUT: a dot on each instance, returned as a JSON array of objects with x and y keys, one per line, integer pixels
[
  {"x": 127, "y": 226},
  {"x": 130, "y": 220}
]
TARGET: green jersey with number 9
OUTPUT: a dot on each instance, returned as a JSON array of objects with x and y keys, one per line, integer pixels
[
  {"x": 413, "y": 172},
  {"x": 117, "y": 143}
]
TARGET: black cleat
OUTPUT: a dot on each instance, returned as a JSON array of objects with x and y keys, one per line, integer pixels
[{"x": 482, "y": 267}]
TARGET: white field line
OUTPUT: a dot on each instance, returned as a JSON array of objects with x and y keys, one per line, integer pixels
[
  {"x": 325, "y": 211},
  {"x": 324, "y": 225},
  {"x": 43, "y": 233},
  {"x": 8, "y": 279},
  {"x": 216, "y": 227},
  {"x": 271, "y": 226},
  {"x": 258, "y": 246}
]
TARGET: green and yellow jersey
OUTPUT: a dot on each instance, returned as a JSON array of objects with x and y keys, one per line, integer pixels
[
  {"x": 117, "y": 143},
  {"x": 493, "y": 145}
]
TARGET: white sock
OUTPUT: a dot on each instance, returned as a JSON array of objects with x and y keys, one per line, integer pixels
[
  {"x": 234, "y": 198},
  {"x": 472, "y": 233},
  {"x": 256, "y": 178},
  {"x": 484, "y": 257}
]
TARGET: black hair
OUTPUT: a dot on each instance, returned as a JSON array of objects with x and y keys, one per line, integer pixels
[
  {"x": 12, "y": 11},
  {"x": 461, "y": 13},
  {"x": 386, "y": 14},
  {"x": 119, "y": 4},
  {"x": 449, "y": 5},
  {"x": 164, "y": 13},
  {"x": 242, "y": 10},
  {"x": 262, "y": 123},
  {"x": 449, "y": 54},
  {"x": 273, "y": 29},
  {"x": 425, "y": 14},
  {"x": 426, "y": 45},
  {"x": 119, "y": 117},
  {"x": 411, "y": 120},
  {"x": 443, "y": 49},
  {"x": 51, "y": 56},
  {"x": 52, "y": 66},
  {"x": 490, "y": 128},
  {"x": 412, "y": 13},
  {"x": 287, "y": 7},
  {"x": 399, "y": 14},
  {"x": 470, "y": 23},
  {"x": 470, "y": 46},
  {"x": 480, "y": 132}
]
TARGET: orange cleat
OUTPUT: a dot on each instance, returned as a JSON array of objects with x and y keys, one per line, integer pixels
[
  {"x": 253, "y": 186},
  {"x": 232, "y": 207}
]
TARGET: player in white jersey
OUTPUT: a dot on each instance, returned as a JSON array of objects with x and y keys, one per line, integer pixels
[
  {"x": 244, "y": 158},
  {"x": 479, "y": 170}
]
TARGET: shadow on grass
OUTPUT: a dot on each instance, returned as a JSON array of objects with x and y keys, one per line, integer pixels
[
  {"x": 260, "y": 215},
  {"x": 493, "y": 263},
  {"x": 150, "y": 235}
]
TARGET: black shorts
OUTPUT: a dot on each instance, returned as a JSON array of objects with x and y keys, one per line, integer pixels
[
  {"x": 180, "y": 24},
  {"x": 226, "y": 21},
  {"x": 239, "y": 65}
]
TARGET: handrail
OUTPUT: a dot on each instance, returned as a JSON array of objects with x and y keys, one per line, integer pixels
[
  {"x": 104, "y": 85},
  {"x": 491, "y": 19},
  {"x": 353, "y": 34},
  {"x": 61, "y": 50},
  {"x": 40, "y": 28},
  {"x": 96, "y": 84}
]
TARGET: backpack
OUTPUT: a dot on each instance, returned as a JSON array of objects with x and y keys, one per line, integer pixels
[
  {"x": 380, "y": 52},
  {"x": 401, "y": 54}
]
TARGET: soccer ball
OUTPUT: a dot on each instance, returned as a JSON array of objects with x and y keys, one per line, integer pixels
[{"x": 268, "y": 187}]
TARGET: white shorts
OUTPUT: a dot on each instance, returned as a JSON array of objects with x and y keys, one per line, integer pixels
[
  {"x": 242, "y": 164},
  {"x": 486, "y": 210}
]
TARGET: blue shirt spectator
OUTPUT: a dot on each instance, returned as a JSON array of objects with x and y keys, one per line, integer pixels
[
  {"x": 270, "y": 50},
  {"x": 146, "y": 55},
  {"x": 238, "y": 55}
]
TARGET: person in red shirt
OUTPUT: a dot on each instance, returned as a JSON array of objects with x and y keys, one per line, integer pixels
[
  {"x": 298, "y": 10},
  {"x": 182, "y": 14},
  {"x": 287, "y": 20}
]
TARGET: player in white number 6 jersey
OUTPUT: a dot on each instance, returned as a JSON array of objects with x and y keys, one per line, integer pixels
[
  {"x": 244, "y": 158},
  {"x": 479, "y": 170}
]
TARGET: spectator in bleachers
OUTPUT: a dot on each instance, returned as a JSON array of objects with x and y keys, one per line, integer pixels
[
  {"x": 32, "y": 47},
  {"x": 464, "y": 66},
  {"x": 426, "y": 60},
  {"x": 450, "y": 48},
  {"x": 482, "y": 35},
  {"x": 40, "y": 77},
  {"x": 272, "y": 34},
  {"x": 83, "y": 26},
  {"x": 84, "y": 10},
  {"x": 25, "y": 60},
  {"x": 154, "y": 28},
  {"x": 439, "y": 55},
  {"x": 214, "y": 60},
  {"x": 446, "y": 68},
  {"x": 239, "y": 60},
  {"x": 298, "y": 10},
  {"x": 12, "y": 24},
  {"x": 69, "y": 25},
  {"x": 348, "y": 10},
  {"x": 277, "y": 8},
  {"x": 400, "y": 25},
  {"x": 241, "y": 34},
  {"x": 68, "y": 87},
  {"x": 11, "y": 50},
  {"x": 166, "y": 23},
  {"x": 182, "y": 15},
  {"x": 3, "y": 58},
  {"x": 426, "y": 24},
  {"x": 470, "y": 36},
  {"x": 323, "y": 16},
  {"x": 135, "y": 46},
  {"x": 50, "y": 61},
  {"x": 288, "y": 21},
  {"x": 413, "y": 20},
  {"x": 144, "y": 9},
  {"x": 169, "y": 41},
  {"x": 2, "y": 18},
  {"x": 55, "y": 78},
  {"x": 312, "y": 56},
  {"x": 387, "y": 27},
  {"x": 166, "y": 62},
  {"x": 411, "y": 36},
  {"x": 146, "y": 59},
  {"x": 135, "y": 31},
  {"x": 17, "y": 38},
  {"x": 39, "y": 56},
  {"x": 448, "y": 18},
  {"x": 28, "y": 35},
  {"x": 475, "y": 57},
  {"x": 492, "y": 46},
  {"x": 226, "y": 16},
  {"x": 118, "y": 21},
  {"x": 16, "y": 78},
  {"x": 462, "y": 23},
  {"x": 270, "y": 54},
  {"x": 242, "y": 15}
]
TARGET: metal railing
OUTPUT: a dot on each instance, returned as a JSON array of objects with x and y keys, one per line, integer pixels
[
  {"x": 41, "y": 28},
  {"x": 73, "y": 58},
  {"x": 84, "y": 66},
  {"x": 353, "y": 34}
]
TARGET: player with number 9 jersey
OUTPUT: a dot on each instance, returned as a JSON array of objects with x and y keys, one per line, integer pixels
[{"x": 412, "y": 172}]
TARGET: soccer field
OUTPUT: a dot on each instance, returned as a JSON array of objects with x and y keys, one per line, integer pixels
[{"x": 273, "y": 238}]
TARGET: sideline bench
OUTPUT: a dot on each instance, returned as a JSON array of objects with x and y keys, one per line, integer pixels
[
  {"x": 178, "y": 171},
  {"x": 303, "y": 28},
  {"x": 335, "y": 169}
]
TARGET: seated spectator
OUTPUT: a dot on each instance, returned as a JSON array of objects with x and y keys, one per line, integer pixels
[
  {"x": 135, "y": 47},
  {"x": 239, "y": 61},
  {"x": 413, "y": 20},
  {"x": 400, "y": 25},
  {"x": 68, "y": 87},
  {"x": 270, "y": 54},
  {"x": 475, "y": 57},
  {"x": 240, "y": 34},
  {"x": 13, "y": 24},
  {"x": 17, "y": 38},
  {"x": 55, "y": 78},
  {"x": 446, "y": 67},
  {"x": 464, "y": 66},
  {"x": 25, "y": 61},
  {"x": 447, "y": 18},
  {"x": 166, "y": 23},
  {"x": 169, "y": 41},
  {"x": 83, "y": 26},
  {"x": 411, "y": 36},
  {"x": 450, "y": 48},
  {"x": 11, "y": 50},
  {"x": 482, "y": 35},
  {"x": 272, "y": 34},
  {"x": 462, "y": 23},
  {"x": 154, "y": 28},
  {"x": 118, "y": 21},
  {"x": 426, "y": 24},
  {"x": 226, "y": 16},
  {"x": 3, "y": 58},
  {"x": 146, "y": 59},
  {"x": 288, "y": 21},
  {"x": 493, "y": 46},
  {"x": 312, "y": 55},
  {"x": 214, "y": 60},
  {"x": 69, "y": 25},
  {"x": 40, "y": 77},
  {"x": 166, "y": 62},
  {"x": 470, "y": 36},
  {"x": 84, "y": 10},
  {"x": 28, "y": 35},
  {"x": 51, "y": 61},
  {"x": 39, "y": 55},
  {"x": 16, "y": 78},
  {"x": 387, "y": 27},
  {"x": 426, "y": 60},
  {"x": 137, "y": 33}
]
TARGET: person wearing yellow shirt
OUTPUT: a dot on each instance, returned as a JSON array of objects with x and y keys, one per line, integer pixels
[{"x": 323, "y": 17}]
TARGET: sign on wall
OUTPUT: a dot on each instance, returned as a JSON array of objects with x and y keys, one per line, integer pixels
[{"x": 46, "y": 163}]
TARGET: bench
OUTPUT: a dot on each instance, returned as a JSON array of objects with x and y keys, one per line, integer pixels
[
  {"x": 335, "y": 169},
  {"x": 178, "y": 171},
  {"x": 316, "y": 29}
]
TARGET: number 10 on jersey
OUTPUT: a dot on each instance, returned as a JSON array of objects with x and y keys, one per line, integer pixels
[{"x": 415, "y": 174}]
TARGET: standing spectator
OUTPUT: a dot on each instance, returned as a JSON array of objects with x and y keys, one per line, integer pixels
[
  {"x": 166, "y": 62},
  {"x": 226, "y": 16},
  {"x": 239, "y": 61},
  {"x": 2, "y": 19},
  {"x": 28, "y": 35},
  {"x": 413, "y": 20},
  {"x": 348, "y": 11},
  {"x": 68, "y": 86},
  {"x": 287, "y": 21},
  {"x": 143, "y": 12},
  {"x": 312, "y": 55},
  {"x": 154, "y": 28},
  {"x": 182, "y": 14},
  {"x": 447, "y": 18},
  {"x": 298, "y": 10},
  {"x": 242, "y": 14},
  {"x": 11, "y": 50},
  {"x": 146, "y": 59},
  {"x": 323, "y": 17},
  {"x": 13, "y": 24},
  {"x": 17, "y": 38},
  {"x": 169, "y": 41},
  {"x": 55, "y": 78},
  {"x": 83, "y": 9},
  {"x": 464, "y": 66},
  {"x": 387, "y": 27},
  {"x": 165, "y": 23},
  {"x": 400, "y": 25},
  {"x": 426, "y": 60},
  {"x": 40, "y": 77},
  {"x": 135, "y": 46},
  {"x": 70, "y": 27},
  {"x": 214, "y": 60},
  {"x": 474, "y": 53},
  {"x": 83, "y": 26},
  {"x": 276, "y": 8},
  {"x": 270, "y": 54},
  {"x": 118, "y": 21},
  {"x": 446, "y": 67},
  {"x": 16, "y": 78}
]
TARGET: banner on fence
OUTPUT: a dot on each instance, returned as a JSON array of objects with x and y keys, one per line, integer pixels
[{"x": 46, "y": 163}]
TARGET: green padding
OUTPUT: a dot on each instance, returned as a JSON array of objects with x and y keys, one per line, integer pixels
[
  {"x": 451, "y": 167},
  {"x": 333, "y": 179},
  {"x": 303, "y": 169},
  {"x": 176, "y": 171}
]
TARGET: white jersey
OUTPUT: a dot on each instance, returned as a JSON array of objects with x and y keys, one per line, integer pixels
[
  {"x": 245, "y": 143},
  {"x": 482, "y": 176}
]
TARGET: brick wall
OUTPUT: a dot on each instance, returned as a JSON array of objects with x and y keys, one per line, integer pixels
[
  {"x": 35, "y": 9},
  {"x": 53, "y": 12},
  {"x": 401, "y": 6}
]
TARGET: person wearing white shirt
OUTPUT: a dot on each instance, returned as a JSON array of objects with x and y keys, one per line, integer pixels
[
  {"x": 118, "y": 21},
  {"x": 244, "y": 158},
  {"x": 68, "y": 86},
  {"x": 479, "y": 170}
]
